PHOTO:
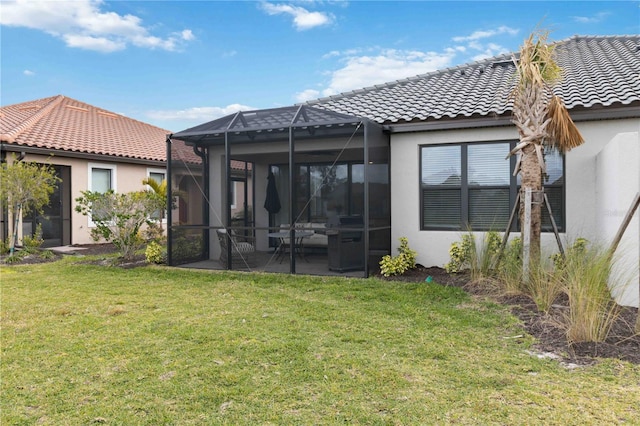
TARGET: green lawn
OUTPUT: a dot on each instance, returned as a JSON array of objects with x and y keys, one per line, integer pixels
[{"x": 85, "y": 344}]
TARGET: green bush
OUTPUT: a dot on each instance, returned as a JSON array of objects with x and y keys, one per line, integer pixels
[
  {"x": 398, "y": 265},
  {"x": 16, "y": 257},
  {"x": 32, "y": 243},
  {"x": 466, "y": 254},
  {"x": 47, "y": 254},
  {"x": 579, "y": 247},
  {"x": 5, "y": 246},
  {"x": 155, "y": 253},
  {"x": 119, "y": 218}
]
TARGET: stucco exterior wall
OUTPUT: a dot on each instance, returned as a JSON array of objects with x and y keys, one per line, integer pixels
[
  {"x": 128, "y": 177},
  {"x": 580, "y": 173},
  {"x": 617, "y": 183}
]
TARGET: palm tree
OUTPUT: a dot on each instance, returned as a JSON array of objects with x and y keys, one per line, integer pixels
[
  {"x": 160, "y": 190},
  {"x": 542, "y": 120}
]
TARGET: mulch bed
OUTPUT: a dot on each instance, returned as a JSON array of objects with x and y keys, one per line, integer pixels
[
  {"x": 623, "y": 343},
  {"x": 551, "y": 340}
]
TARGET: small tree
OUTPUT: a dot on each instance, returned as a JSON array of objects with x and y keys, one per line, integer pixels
[
  {"x": 25, "y": 186},
  {"x": 118, "y": 218},
  {"x": 542, "y": 120}
]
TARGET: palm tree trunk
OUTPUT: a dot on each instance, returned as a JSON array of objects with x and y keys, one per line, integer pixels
[
  {"x": 531, "y": 174},
  {"x": 530, "y": 118}
]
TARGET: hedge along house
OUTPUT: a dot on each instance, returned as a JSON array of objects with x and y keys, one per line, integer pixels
[
  {"x": 450, "y": 132},
  {"x": 327, "y": 168},
  {"x": 90, "y": 149}
]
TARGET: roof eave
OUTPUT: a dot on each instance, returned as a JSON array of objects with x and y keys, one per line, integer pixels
[
  {"x": 12, "y": 147},
  {"x": 578, "y": 114}
]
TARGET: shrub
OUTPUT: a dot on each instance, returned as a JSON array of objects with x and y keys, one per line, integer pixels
[
  {"x": 460, "y": 254},
  {"x": 577, "y": 248},
  {"x": 118, "y": 218},
  {"x": 47, "y": 254},
  {"x": 5, "y": 246},
  {"x": 155, "y": 253},
  {"x": 154, "y": 232},
  {"x": 398, "y": 265},
  {"x": 468, "y": 255},
  {"x": 32, "y": 244},
  {"x": 16, "y": 257}
]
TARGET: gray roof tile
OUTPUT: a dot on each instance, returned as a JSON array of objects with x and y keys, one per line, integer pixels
[{"x": 597, "y": 70}]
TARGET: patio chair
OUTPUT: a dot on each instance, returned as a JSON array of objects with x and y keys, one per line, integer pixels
[{"x": 243, "y": 250}]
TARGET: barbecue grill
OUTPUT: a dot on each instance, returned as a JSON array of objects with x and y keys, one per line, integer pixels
[{"x": 345, "y": 243}]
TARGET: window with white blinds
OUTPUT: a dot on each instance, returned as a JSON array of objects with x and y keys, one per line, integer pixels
[{"x": 471, "y": 186}]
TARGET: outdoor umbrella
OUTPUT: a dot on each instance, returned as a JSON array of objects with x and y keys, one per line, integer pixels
[{"x": 272, "y": 202}]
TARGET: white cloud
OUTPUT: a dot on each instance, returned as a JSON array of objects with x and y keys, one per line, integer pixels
[
  {"x": 83, "y": 24},
  {"x": 478, "y": 35},
  {"x": 303, "y": 19},
  {"x": 197, "y": 114},
  {"x": 307, "y": 95},
  {"x": 476, "y": 42},
  {"x": 366, "y": 67},
  {"x": 187, "y": 35},
  {"x": 598, "y": 17},
  {"x": 388, "y": 65},
  {"x": 28, "y": 73}
]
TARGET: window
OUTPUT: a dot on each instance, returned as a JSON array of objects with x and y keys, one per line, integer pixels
[
  {"x": 102, "y": 178},
  {"x": 471, "y": 186},
  {"x": 158, "y": 175}
]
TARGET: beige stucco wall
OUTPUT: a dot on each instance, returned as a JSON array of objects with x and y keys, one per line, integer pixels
[
  {"x": 128, "y": 177},
  {"x": 580, "y": 173}
]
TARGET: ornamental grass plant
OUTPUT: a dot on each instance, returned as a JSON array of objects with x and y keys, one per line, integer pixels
[
  {"x": 543, "y": 285},
  {"x": 592, "y": 310}
]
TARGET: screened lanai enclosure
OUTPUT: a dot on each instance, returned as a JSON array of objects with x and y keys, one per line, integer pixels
[{"x": 295, "y": 189}]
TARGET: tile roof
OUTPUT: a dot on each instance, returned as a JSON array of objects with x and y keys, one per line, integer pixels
[
  {"x": 62, "y": 123},
  {"x": 270, "y": 119},
  {"x": 598, "y": 70}
]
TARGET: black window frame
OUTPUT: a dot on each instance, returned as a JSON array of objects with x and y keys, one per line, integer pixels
[{"x": 464, "y": 187}]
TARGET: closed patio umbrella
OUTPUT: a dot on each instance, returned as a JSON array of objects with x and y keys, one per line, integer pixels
[{"x": 272, "y": 202}]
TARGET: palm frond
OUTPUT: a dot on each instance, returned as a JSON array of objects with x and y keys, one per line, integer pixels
[
  {"x": 537, "y": 65},
  {"x": 562, "y": 130},
  {"x": 159, "y": 188}
]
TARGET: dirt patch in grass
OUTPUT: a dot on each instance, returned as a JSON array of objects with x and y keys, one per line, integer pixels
[{"x": 623, "y": 343}]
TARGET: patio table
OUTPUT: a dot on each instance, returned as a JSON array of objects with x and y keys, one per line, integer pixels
[{"x": 281, "y": 250}]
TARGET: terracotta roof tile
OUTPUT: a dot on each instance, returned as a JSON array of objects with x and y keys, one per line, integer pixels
[
  {"x": 597, "y": 71},
  {"x": 63, "y": 123}
]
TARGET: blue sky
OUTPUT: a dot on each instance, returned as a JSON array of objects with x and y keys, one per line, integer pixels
[{"x": 176, "y": 64}]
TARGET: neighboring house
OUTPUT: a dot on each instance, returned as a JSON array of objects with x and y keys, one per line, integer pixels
[
  {"x": 90, "y": 149},
  {"x": 447, "y": 134}
]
